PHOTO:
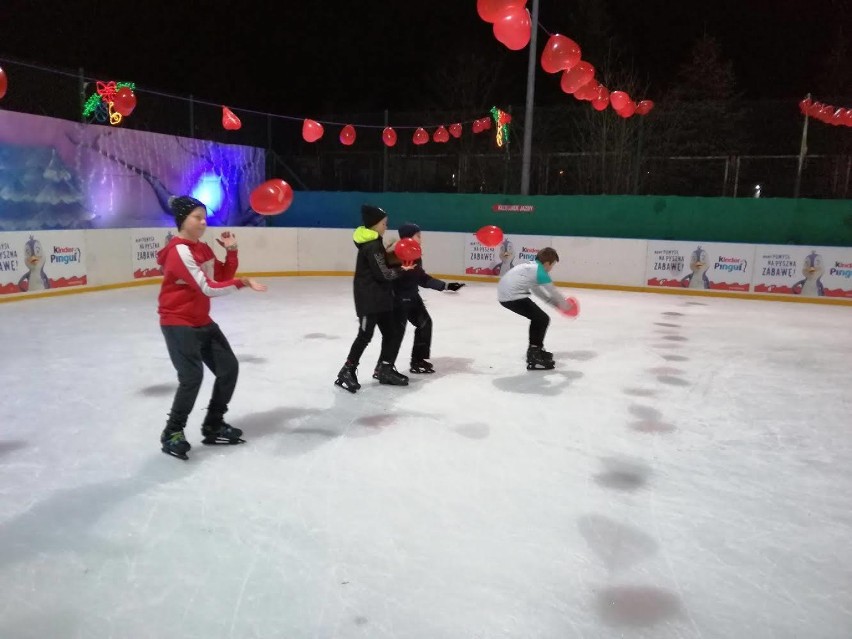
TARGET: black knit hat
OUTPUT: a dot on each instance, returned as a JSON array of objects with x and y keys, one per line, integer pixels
[
  {"x": 408, "y": 230},
  {"x": 182, "y": 206},
  {"x": 372, "y": 215}
]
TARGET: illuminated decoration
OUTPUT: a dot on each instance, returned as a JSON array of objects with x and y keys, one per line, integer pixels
[
  {"x": 501, "y": 120},
  {"x": 100, "y": 107},
  {"x": 209, "y": 190}
]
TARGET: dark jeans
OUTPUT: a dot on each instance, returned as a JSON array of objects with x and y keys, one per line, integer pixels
[
  {"x": 539, "y": 320},
  {"x": 391, "y": 337},
  {"x": 190, "y": 348},
  {"x": 414, "y": 311}
]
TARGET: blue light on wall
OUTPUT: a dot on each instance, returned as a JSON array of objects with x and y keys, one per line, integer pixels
[{"x": 209, "y": 190}]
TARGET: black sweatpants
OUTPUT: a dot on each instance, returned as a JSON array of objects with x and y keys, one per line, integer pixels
[
  {"x": 414, "y": 311},
  {"x": 190, "y": 348},
  {"x": 539, "y": 320},
  {"x": 391, "y": 337}
]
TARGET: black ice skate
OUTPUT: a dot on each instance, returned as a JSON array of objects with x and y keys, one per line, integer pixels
[
  {"x": 174, "y": 443},
  {"x": 387, "y": 374},
  {"x": 216, "y": 431},
  {"x": 537, "y": 360},
  {"x": 421, "y": 366},
  {"x": 347, "y": 378}
]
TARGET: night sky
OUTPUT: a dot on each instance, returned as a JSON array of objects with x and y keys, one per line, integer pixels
[{"x": 298, "y": 58}]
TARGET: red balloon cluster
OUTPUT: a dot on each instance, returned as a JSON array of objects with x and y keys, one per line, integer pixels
[
  {"x": 230, "y": 122},
  {"x": 272, "y": 197},
  {"x": 490, "y": 235},
  {"x": 826, "y": 113},
  {"x": 407, "y": 250},
  {"x": 511, "y": 21}
]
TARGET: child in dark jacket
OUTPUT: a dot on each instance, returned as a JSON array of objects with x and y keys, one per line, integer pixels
[
  {"x": 410, "y": 306},
  {"x": 191, "y": 276},
  {"x": 374, "y": 304}
]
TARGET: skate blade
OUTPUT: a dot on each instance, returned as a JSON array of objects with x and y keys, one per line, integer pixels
[
  {"x": 539, "y": 367},
  {"x": 222, "y": 442},
  {"x": 351, "y": 389},
  {"x": 182, "y": 456},
  {"x": 421, "y": 372}
]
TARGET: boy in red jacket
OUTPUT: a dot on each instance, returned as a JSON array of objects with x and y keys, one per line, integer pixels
[{"x": 191, "y": 276}]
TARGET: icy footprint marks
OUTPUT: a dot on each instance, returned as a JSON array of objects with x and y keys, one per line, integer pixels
[
  {"x": 473, "y": 430},
  {"x": 675, "y": 358},
  {"x": 546, "y": 383},
  {"x": 623, "y": 474},
  {"x": 251, "y": 359},
  {"x": 618, "y": 546},
  {"x": 637, "y": 606},
  {"x": 667, "y": 325},
  {"x": 158, "y": 390},
  {"x": 640, "y": 392},
  {"x": 320, "y": 336},
  {"x": 673, "y": 314},
  {"x": 650, "y": 420}
]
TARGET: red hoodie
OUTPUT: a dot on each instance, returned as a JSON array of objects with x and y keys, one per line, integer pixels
[{"x": 191, "y": 276}]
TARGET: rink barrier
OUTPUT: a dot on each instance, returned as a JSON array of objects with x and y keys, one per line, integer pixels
[
  {"x": 830, "y": 301},
  {"x": 108, "y": 260}
]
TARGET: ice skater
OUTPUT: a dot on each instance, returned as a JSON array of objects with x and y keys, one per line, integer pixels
[
  {"x": 191, "y": 276},
  {"x": 374, "y": 303},
  {"x": 410, "y": 306},
  {"x": 513, "y": 292}
]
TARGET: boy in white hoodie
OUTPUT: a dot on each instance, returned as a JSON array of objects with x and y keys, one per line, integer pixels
[{"x": 513, "y": 292}]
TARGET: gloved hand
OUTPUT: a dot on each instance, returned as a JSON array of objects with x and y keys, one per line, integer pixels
[{"x": 454, "y": 286}]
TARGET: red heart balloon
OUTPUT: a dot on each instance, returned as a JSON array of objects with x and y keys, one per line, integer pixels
[
  {"x": 407, "y": 249},
  {"x": 272, "y": 197},
  {"x": 490, "y": 10},
  {"x": 560, "y": 54},
  {"x": 441, "y": 135},
  {"x": 312, "y": 130},
  {"x": 644, "y": 107},
  {"x": 513, "y": 28},
  {"x": 420, "y": 136},
  {"x": 627, "y": 110},
  {"x": 490, "y": 235},
  {"x": 588, "y": 91},
  {"x": 574, "y": 78},
  {"x": 229, "y": 120},
  {"x": 347, "y": 135},
  {"x": 389, "y": 136},
  {"x": 124, "y": 101},
  {"x": 4, "y": 83},
  {"x": 619, "y": 99},
  {"x": 456, "y": 130}
]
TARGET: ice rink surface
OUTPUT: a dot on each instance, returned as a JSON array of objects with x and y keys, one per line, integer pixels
[{"x": 685, "y": 471}]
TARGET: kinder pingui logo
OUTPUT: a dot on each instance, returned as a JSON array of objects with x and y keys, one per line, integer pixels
[
  {"x": 730, "y": 264},
  {"x": 65, "y": 255}
]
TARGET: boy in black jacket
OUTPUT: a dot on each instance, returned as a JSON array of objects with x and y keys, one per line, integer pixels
[
  {"x": 374, "y": 303},
  {"x": 410, "y": 306}
]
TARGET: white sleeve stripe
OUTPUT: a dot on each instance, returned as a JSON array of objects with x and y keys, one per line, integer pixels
[{"x": 198, "y": 275}]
